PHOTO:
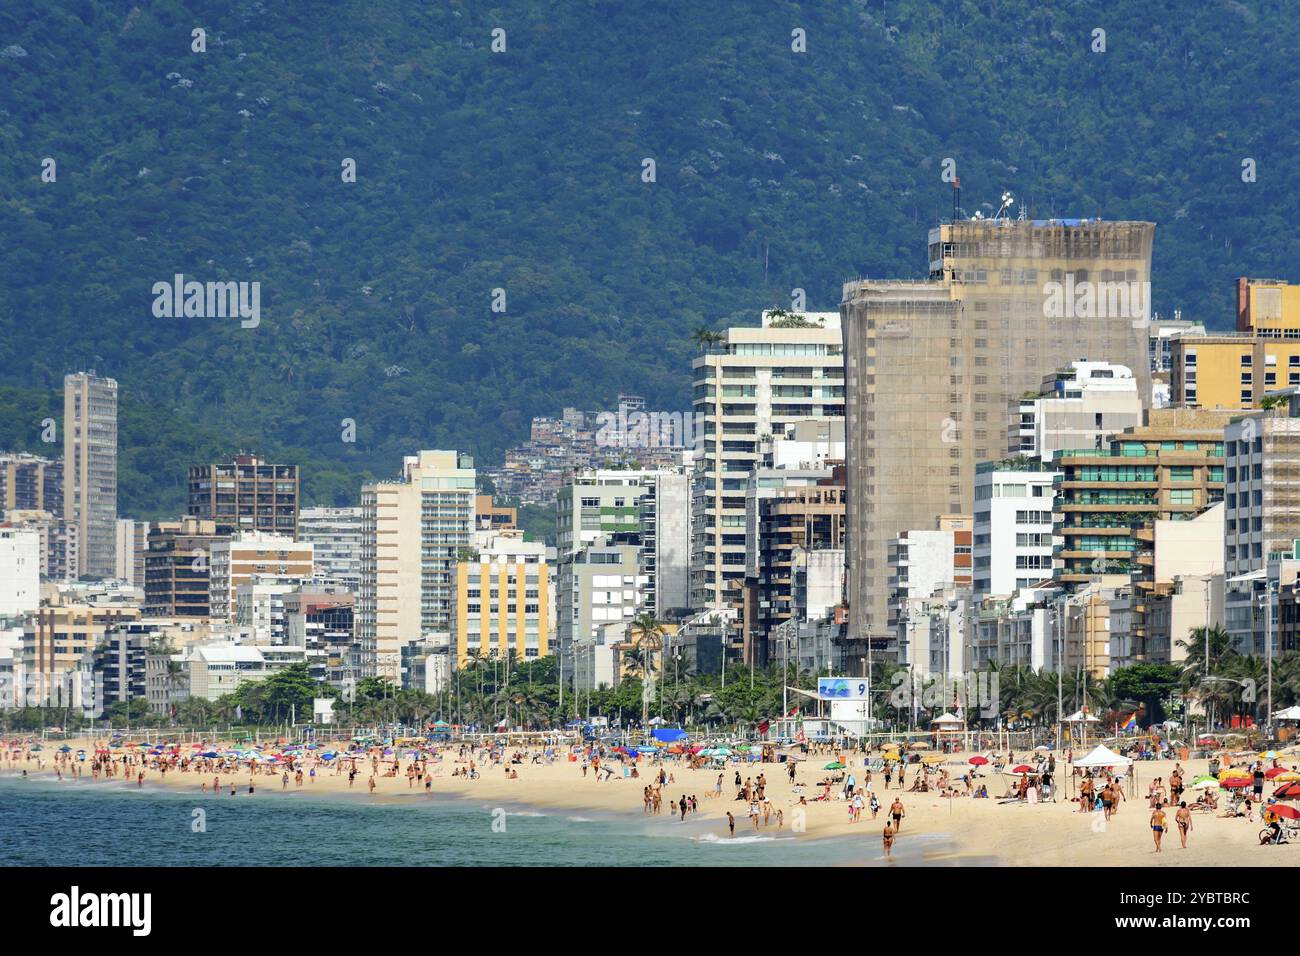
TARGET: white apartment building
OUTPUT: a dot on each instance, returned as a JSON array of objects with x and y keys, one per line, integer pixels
[
  {"x": 650, "y": 507},
  {"x": 335, "y": 535},
  {"x": 20, "y": 572},
  {"x": 415, "y": 529},
  {"x": 218, "y": 669},
  {"x": 1013, "y": 533},
  {"x": 748, "y": 389},
  {"x": 1078, "y": 406},
  {"x": 236, "y": 561},
  {"x": 130, "y": 543},
  {"x": 260, "y": 607},
  {"x": 599, "y": 584},
  {"x": 925, "y": 609}
]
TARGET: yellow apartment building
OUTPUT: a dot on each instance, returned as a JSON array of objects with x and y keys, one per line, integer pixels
[
  {"x": 1236, "y": 369},
  {"x": 503, "y": 600}
]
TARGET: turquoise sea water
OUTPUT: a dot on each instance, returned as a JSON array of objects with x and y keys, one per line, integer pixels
[{"x": 45, "y": 823}]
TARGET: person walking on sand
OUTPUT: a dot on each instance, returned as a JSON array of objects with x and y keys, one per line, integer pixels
[
  {"x": 897, "y": 812},
  {"x": 1158, "y": 824},
  {"x": 731, "y": 823},
  {"x": 887, "y": 838},
  {"x": 1184, "y": 820}
]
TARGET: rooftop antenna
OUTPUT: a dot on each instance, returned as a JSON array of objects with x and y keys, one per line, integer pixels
[{"x": 1008, "y": 201}]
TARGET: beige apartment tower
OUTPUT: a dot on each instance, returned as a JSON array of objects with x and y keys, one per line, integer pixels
[
  {"x": 90, "y": 469},
  {"x": 414, "y": 532},
  {"x": 748, "y": 388},
  {"x": 932, "y": 366}
]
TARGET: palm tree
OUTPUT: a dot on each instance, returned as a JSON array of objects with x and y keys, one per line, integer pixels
[
  {"x": 1213, "y": 695},
  {"x": 649, "y": 633},
  {"x": 705, "y": 338}
]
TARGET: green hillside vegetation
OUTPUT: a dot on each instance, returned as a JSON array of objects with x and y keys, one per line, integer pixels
[{"x": 522, "y": 171}]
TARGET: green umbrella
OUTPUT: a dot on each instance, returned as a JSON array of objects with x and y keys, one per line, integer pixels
[
  {"x": 834, "y": 765},
  {"x": 722, "y": 752}
]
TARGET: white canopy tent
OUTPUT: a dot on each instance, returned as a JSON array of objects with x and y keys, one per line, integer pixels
[
  {"x": 1289, "y": 713},
  {"x": 1082, "y": 717},
  {"x": 1102, "y": 756}
]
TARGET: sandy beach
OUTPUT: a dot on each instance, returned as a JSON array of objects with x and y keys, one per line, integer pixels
[{"x": 959, "y": 829}]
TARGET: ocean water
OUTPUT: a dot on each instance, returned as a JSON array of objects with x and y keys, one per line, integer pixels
[{"x": 46, "y": 823}]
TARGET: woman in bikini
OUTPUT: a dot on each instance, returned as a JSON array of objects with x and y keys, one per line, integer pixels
[{"x": 1184, "y": 820}]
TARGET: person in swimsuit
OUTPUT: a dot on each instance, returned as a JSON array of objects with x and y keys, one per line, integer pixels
[
  {"x": 888, "y": 838},
  {"x": 897, "y": 813},
  {"x": 1184, "y": 820},
  {"x": 1158, "y": 824}
]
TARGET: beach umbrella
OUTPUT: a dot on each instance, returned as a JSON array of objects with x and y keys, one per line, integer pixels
[
  {"x": 722, "y": 752},
  {"x": 1288, "y": 791},
  {"x": 1235, "y": 783},
  {"x": 1023, "y": 768},
  {"x": 978, "y": 760},
  {"x": 65, "y": 749},
  {"x": 1289, "y": 777},
  {"x": 920, "y": 745},
  {"x": 1274, "y": 772},
  {"x": 1268, "y": 755},
  {"x": 1205, "y": 783},
  {"x": 1284, "y": 810},
  {"x": 1205, "y": 778},
  {"x": 932, "y": 759},
  {"x": 834, "y": 765}
]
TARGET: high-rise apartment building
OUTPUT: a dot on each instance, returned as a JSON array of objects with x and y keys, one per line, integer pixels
[
  {"x": 791, "y": 514},
  {"x": 1079, "y": 406},
  {"x": 651, "y": 509},
  {"x": 932, "y": 367},
  {"x": 238, "y": 560},
  {"x": 1171, "y": 468},
  {"x": 31, "y": 483},
  {"x": 747, "y": 389},
  {"x": 130, "y": 545},
  {"x": 598, "y": 585},
  {"x": 176, "y": 568},
  {"x": 246, "y": 494},
  {"x": 20, "y": 571},
  {"x": 90, "y": 469},
  {"x": 503, "y": 600},
  {"x": 1236, "y": 369},
  {"x": 60, "y": 557},
  {"x": 1014, "y": 526},
  {"x": 1261, "y": 489},
  {"x": 415, "y": 529},
  {"x": 335, "y": 535}
]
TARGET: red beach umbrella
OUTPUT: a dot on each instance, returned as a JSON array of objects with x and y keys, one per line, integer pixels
[
  {"x": 1272, "y": 772},
  {"x": 1288, "y": 791},
  {"x": 1024, "y": 768},
  {"x": 1285, "y": 810},
  {"x": 978, "y": 761},
  {"x": 1236, "y": 783}
]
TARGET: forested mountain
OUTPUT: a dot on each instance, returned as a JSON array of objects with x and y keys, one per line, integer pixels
[{"x": 522, "y": 170}]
